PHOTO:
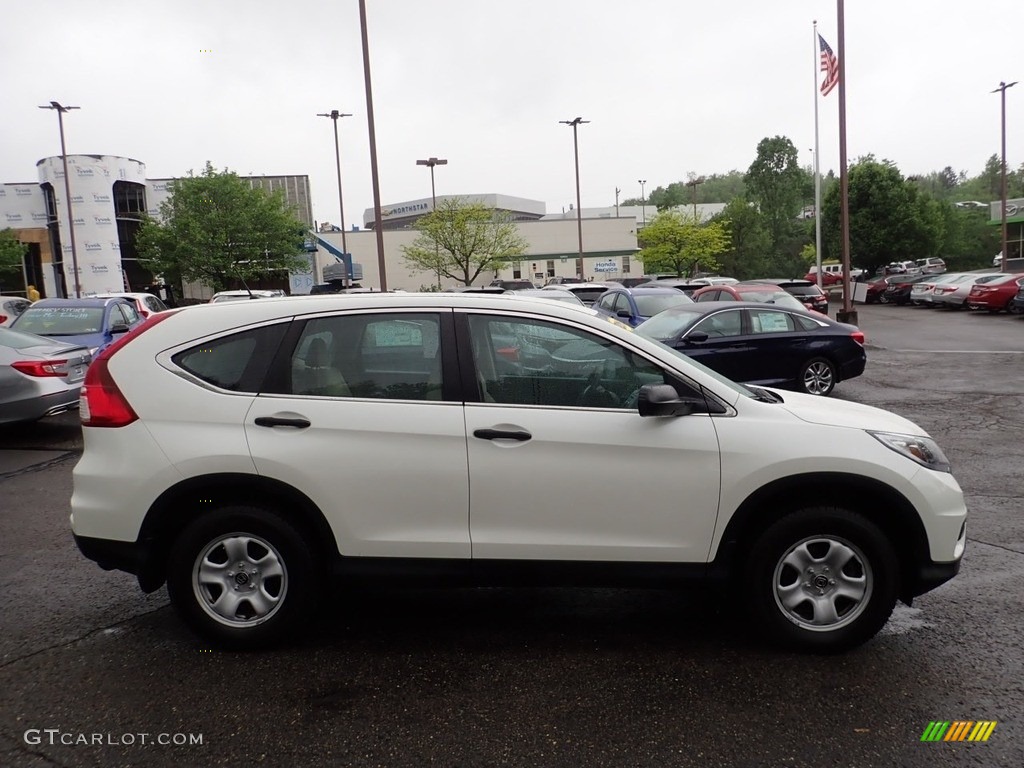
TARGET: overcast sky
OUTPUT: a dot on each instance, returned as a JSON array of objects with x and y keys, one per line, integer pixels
[{"x": 670, "y": 87}]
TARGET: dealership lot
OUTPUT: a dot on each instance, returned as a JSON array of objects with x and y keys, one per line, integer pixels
[{"x": 545, "y": 677}]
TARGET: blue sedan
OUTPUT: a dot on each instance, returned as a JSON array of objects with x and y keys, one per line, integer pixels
[
  {"x": 755, "y": 343},
  {"x": 635, "y": 305},
  {"x": 91, "y": 323}
]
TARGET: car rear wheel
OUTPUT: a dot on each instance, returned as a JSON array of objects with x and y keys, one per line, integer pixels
[
  {"x": 241, "y": 577},
  {"x": 818, "y": 376},
  {"x": 822, "y": 579}
]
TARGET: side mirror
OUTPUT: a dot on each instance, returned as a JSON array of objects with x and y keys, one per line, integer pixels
[
  {"x": 663, "y": 400},
  {"x": 623, "y": 313},
  {"x": 119, "y": 328},
  {"x": 696, "y": 336}
]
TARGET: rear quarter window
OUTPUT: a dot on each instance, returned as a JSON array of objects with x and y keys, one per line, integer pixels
[{"x": 237, "y": 362}]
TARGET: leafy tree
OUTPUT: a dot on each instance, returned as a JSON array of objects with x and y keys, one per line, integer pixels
[
  {"x": 217, "y": 229},
  {"x": 778, "y": 185},
  {"x": 12, "y": 252},
  {"x": 746, "y": 256},
  {"x": 460, "y": 240},
  {"x": 889, "y": 219},
  {"x": 674, "y": 242}
]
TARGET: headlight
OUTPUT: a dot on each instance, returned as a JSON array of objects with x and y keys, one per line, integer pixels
[{"x": 923, "y": 450}]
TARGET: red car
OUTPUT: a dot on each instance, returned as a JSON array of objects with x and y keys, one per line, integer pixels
[
  {"x": 996, "y": 295},
  {"x": 876, "y": 291},
  {"x": 759, "y": 292}
]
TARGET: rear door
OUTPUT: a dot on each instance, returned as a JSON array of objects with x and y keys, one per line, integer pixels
[{"x": 362, "y": 414}]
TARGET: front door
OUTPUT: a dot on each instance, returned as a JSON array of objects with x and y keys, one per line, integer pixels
[{"x": 562, "y": 466}]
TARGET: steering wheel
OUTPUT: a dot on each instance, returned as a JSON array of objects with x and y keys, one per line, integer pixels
[{"x": 596, "y": 395}]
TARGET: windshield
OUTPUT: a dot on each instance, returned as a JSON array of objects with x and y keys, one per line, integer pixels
[
  {"x": 61, "y": 321},
  {"x": 651, "y": 304}
]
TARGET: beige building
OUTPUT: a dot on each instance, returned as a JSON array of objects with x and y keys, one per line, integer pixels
[{"x": 609, "y": 248}]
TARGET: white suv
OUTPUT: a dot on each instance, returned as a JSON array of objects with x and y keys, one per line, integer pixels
[{"x": 246, "y": 452}]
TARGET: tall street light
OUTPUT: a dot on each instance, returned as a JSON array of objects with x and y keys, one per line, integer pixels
[
  {"x": 1002, "y": 95},
  {"x": 67, "y": 190},
  {"x": 643, "y": 200},
  {"x": 576, "y": 153},
  {"x": 334, "y": 115},
  {"x": 375, "y": 176},
  {"x": 430, "y": 163},
  {"x": 694, "y": 183}
]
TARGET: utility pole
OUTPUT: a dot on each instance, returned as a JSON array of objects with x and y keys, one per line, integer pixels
[
  {"x": 1002, "y": 95},
  {"x": 576, "y": 153}
]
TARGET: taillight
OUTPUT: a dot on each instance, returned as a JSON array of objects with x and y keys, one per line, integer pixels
[
  {"x": 102, "y": 404},
  {"x": 41, "y": 367},
  {"x": 858, "y": 336},
  {"x": 3, "y": 319}
]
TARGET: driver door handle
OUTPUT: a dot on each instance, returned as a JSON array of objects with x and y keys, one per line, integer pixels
[
  {"x": 501, "y": 434},
  {"x": 276, "y": 421}
]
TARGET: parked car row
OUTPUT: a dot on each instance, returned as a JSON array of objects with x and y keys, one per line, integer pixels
[
  {"x": 992, "y": 292},
  {"x": 46, "y": 347}
]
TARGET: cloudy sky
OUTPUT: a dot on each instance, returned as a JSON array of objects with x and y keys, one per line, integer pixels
[{"x": 669, "y": 87}]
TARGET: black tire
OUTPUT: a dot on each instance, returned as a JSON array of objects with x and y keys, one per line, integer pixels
[
  {"x": 817, "y": 377},
  {"x": 883, "y": 299},
  {"x": 843, "y": 596},
  {"x": 275, "y": 587}
]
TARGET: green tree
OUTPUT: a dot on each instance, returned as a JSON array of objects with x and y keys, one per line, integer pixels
[
  {"x": 749, "y": 245},
  {"x": 674, "y": 242},
  {"x": 777, "y": 183},
  {"x": 12, "y": 252},
  {"x": 460, "y": 240},
  {"x": 217, "y": 229},
  {"x": 890, "y": 220}
]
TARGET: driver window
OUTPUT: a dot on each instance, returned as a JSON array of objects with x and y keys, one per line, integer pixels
[
  {"x": 521, "y": 361},
  {"x": 622, "y": 302}
]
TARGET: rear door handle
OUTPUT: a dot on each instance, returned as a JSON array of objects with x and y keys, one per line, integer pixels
[
  {"x": 275, "y": 421},
  {"x": 501, "y": 434}
]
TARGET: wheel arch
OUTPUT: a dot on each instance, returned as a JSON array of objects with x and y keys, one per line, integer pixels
[
  {"x": 182, "y": 503},
  {"x": 881, "y": 504}
]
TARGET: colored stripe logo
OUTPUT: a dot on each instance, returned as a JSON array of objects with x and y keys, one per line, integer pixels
[{"x": 958, "y": 730}]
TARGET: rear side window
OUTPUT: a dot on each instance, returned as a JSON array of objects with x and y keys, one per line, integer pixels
[{"x": 238, "y": 362}]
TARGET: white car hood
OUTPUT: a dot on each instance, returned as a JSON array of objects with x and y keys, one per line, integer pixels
[{"x": 843, "y": 413}]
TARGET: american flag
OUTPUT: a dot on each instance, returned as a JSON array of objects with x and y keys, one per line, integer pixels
[{"x": 829, "y": 65}]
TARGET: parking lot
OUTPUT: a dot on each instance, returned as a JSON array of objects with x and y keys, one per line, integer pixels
[{"x": 93, "y": 672}]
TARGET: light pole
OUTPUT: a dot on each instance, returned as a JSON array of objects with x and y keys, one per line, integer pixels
[
  {"x": 334, "y": 115},
  {"x": 643, "y": 200},
  {"x": 576, "y": 153},
  {"x": 1002, "y": 95},
  {"x": 430, "y": 163},
  {"x": 693, "y": 184},
  {"x": 375, "y": 176},
  {"x": 67, "y": 191}
]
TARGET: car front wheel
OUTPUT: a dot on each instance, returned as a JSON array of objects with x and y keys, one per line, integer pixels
[
  {"x": 822, "y": 579},
  {"x": 817, "y": 376},
  {"x": 241, "y": 577}
]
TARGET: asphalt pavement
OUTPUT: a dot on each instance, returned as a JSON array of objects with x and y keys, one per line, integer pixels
[{"x": 94, "y": 673}]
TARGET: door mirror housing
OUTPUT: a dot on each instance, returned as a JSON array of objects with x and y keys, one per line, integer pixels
[
  {"x": 664, "y": 400},
  {"x": 696, "y": 337},
  {"x": 119, "y": 328}
]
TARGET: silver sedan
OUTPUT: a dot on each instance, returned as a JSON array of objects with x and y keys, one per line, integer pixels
[
  {"x": 955, "y": 295},
  {"x": 38, "y": 376}
]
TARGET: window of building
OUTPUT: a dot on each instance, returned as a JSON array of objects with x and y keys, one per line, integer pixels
[
  {"x": 551, "y": 268},
  {"x": 625, "y": 265}
]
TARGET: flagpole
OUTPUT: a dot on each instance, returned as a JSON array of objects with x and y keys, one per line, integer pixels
[
  {"x": 817, "y": 173},
  {"x": 848, "y": 315}
]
